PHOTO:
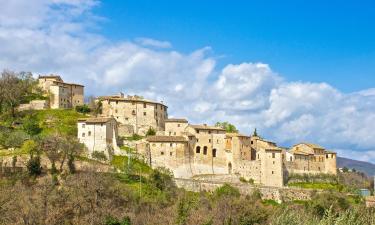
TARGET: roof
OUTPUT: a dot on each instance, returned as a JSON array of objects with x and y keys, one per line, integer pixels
[
  {"x": 61, "y": 82},
  {"x": 166, "y": 139},
  {"x": 236, "y": 135},
  {"x": 330, "y": 152},
  {"x": 176, "y": 120},
  {"x": 311, "y": 145},
  {"x": 96, "y": 120},
  {"x": 205, "y": 127},
  {"x": 273, "y": 149},
  {"x": 50, "y": 76},
  {"x": 129, "y": 99}
]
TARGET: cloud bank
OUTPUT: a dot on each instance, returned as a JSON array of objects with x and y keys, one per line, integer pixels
[{"x": 59, "y": 37}]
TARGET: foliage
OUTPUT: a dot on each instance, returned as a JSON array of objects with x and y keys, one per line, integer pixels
[
  {"x": 228, "y": 127},
  {"x": 255, "y": 134},
  {"x": 33, "y": 166},
  {"x": 161, "y": 178},
  {"x": 114, "y": 221},
  {"x": 83, "y": 109},
  {"x": 99, "y": 156},
  {"x": 227, "y": 191},
  {"x": 150, "y": 132},
  {"x": 14, "y": 139},
  {"x": 134, "y": 137},
  {"x": 31, "y": 125}
]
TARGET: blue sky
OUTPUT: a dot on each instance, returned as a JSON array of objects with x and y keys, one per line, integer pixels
[
  {"x": 296, "y": 71},
  {"x": 321, "y": 41}
]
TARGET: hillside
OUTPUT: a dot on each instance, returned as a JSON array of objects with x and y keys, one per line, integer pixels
[{"x": 365, "y": 167}]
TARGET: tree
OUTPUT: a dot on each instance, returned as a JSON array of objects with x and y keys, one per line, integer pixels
[
  {"x": 31, "y": 126},
  {"x": 83, "y": 109},
  {"x": 70, "y": 147},
  {"x": 150, "y": 132},
  {"x": 15, "y": 139},
  {"x": 14, "y": 89},
  {"x": 51, "y": 146},
  {"x": 255, "y": 134},
  {"x": 228, "y": 127}
]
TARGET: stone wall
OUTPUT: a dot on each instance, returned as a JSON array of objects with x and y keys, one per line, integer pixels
[
  {"x": 279, "y": 194},
  {"x": 34, "y": 105}
]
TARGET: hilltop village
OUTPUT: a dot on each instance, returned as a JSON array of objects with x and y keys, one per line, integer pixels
[{"x": 188, "y": 150}]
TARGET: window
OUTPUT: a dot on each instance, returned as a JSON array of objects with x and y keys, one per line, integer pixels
[
  {"x": 170, "y": 153},
  {"x": 133, "y": 103},
  {"x": 170, "y": 144},
  {"x": 273, "y": 155},
  {"x": 116, "y": 102},
  {"x": 89, "y": 133},
  {"x": 174, "y": 133},
  {"x": 144, "y": 105},
  {"x": 198, "y": 149},
  {"x": 197, "y": 131},
  {"x": 161, "y": 153},
  {"x": 273, "y": 172},
  {"x": 83, "y": 125},
  {"x": 170, "y": 133},
  {"x": 209, "y": 140},
  {"x": 197, "y": 140},
  {"x": 273, "y": 162},
  {"x": 205, "y": 150},
  {"x": 214, "y": 152},
  {"x": 133, "y": 112},
  {"x": 144, "y": 113},
  {"x": 291, "y": 158},
  {"x": 209, "y": 132},
  {"x": 178, "y": 125},
  {"x": 252, "y": 142},
  {"x": 326, "y": 156},
  {"x": 126, "y": 118},
  {"x": 115, "y": 110},
  {"x": 83, "y": 135}
]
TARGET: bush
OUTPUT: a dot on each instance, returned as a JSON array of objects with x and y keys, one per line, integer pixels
[
  {"x": 83, "y": 109},
  {"x": 151, "y": 132},
  {"x": 33, "y": 166},
  {"x": 99, "y": 156},
  {"x": 162, "y": 179},
  {"x": 31, "y": 126},
  {"x": 15, "y": 139},
  {"x": 227, "y": 191},
  {"x": 113, "y": 221}
]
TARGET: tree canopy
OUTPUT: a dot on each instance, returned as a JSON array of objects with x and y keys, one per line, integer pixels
[{"x": 228, "y": 127}]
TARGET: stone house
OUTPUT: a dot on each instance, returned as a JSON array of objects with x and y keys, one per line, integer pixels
[
  {"x": 134, "y": 114},
  {"x": 98, "y": 134},
  {"x": 62, "y": 95},
  {"x": 310, "y": 159}
]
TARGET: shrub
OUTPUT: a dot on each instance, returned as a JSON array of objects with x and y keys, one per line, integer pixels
[
  {"x": 99, "y": 155},
  {"x": 33, "y": 166},
  {"x": 114, "y": 221},
  {"x": 15, "y": 139},
  {"x": 151, "y": 132},
  {"x": 83, "y": 109},
  {"x": 162, "y": 179},
  {"x": 227, "y": 191},
  {"x": 31, "y": 126}
]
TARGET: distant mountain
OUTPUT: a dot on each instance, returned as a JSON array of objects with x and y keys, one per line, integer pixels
[{"x": 365, "y": 167}]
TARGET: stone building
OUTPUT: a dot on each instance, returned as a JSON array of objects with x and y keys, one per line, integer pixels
[
  {"x": 98, "y": 134},
  {"x": 62, "y": 95},
  {"x": 310, "y": 159},
  {"x": 134, "y": 114}
]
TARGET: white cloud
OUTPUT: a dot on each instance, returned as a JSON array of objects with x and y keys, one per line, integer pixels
[
  {"x": 149, "y": 42},
  {"x": 54, "y": 37}
]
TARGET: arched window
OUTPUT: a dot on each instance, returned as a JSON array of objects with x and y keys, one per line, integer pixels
[
  {"x": 198, "y": 149},
  {"x": 205, "y": 150},
  {"x": 214, "y": 152}
]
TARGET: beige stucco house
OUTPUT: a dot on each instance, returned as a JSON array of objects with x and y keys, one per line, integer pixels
[{"x": 98, "y": 134}]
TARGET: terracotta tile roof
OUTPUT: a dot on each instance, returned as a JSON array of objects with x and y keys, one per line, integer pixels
[
  {"x": 205, "y": 127},
  {"x": 176, "y": 120},
  {"x": 166, "y": 139},
  {"x": 96, "y": 120}
]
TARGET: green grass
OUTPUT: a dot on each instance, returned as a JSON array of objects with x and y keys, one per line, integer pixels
[
  {"x": 270, "y": 202},
  {"x": 16, "y": 152},
  {"x": 136, "y": 166},
  {"x": 320, "y": 186},
  {"x": 63, "y": 121}
]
